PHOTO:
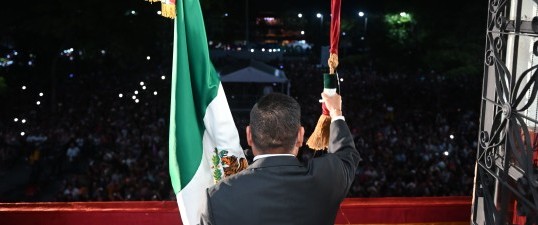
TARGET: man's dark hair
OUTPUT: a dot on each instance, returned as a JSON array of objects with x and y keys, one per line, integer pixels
[{"x": 274, "y": 122}]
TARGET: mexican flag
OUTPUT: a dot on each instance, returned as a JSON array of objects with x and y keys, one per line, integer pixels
[{"x": 204, "y": 143}]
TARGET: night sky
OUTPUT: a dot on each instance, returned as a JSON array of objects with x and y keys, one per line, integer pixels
[
  {"x": 43, "y": 25},
  {"x": 17, "y": 13}
]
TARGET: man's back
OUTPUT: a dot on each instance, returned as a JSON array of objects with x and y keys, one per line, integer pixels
[{"x": 280, "y": 190}]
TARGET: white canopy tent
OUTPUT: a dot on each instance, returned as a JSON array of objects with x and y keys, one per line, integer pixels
[
  {"x": 253, "y": 75},
  {"x": 258, "y": 72}
]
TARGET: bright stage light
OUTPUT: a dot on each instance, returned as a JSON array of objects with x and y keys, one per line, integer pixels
[
  {"x": 38, "y": 103},
  {"x": 23, "y": 121},
  {"x": 40, "y": 94},
  {"x": 16, "y": 120},
  {"x": 120, "y": 95},
  {"x": 141, "y": 83},
  {"x": 23, "y": 87},
  {"x": 143, "y": 87},
  {"x": 155, "y": 93},
  {"x": 22, "y": 133}
]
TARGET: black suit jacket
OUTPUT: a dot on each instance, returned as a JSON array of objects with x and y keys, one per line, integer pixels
[{"x": 281, "y": 190}]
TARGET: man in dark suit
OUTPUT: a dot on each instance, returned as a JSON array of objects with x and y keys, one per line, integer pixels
[{"x": 276, "y": 188}]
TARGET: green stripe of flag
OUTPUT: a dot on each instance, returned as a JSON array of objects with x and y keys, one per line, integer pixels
[{"x": 194, "y": 85}]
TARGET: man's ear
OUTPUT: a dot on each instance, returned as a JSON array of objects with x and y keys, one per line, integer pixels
[
  {"x": 300, "y": 137},
  {"x": 249, "y": 136}
]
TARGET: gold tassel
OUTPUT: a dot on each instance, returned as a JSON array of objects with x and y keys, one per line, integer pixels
[
  {"x": 319, "y": 140},
  {"x": 168, "y": 10}
]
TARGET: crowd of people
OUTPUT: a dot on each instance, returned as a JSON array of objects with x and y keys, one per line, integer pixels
[
  {"x": 416, "y": 133},
  {"x": 96, "y": 146}
]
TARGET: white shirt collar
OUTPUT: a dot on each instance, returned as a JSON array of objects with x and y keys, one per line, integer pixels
[{"x": 270, "y": 155}]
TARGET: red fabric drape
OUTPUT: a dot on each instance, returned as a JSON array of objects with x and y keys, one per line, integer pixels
[
  {"x": 363, "y": 211},
  {"x": 335, "y": 25}
]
